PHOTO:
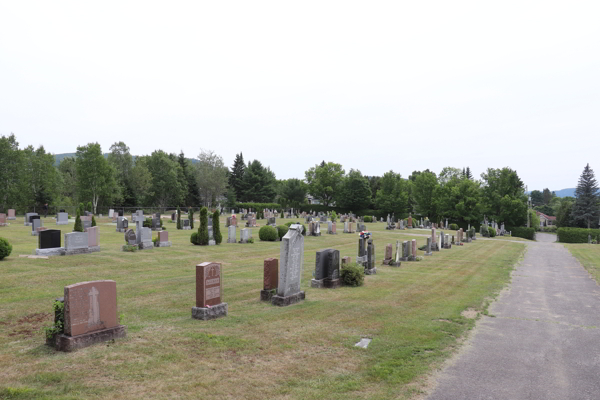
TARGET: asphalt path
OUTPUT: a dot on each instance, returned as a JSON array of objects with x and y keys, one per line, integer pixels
[{"x": 543, "y": 341}]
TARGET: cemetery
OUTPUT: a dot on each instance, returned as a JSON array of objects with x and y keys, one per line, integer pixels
[{"x": 239, "y": 294}]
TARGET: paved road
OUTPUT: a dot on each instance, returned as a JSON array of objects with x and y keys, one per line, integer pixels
[{"x": 544, "y": 343}]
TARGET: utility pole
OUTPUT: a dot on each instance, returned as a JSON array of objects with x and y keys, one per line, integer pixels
[{"x": 528, "y": 207}]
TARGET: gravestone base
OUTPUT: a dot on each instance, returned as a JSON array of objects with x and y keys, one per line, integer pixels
[
  {"x": 370, "y": 271},
  {"x": 428, "y": 254},
  {"x": 230, "y": 240},
  {"x": 317, "y": 283},
  {"x": 156, "y": 229},
  {"x": 70, "y": 343},
  {"x": 387, "y": 262},
  {"x": 283, "y": 301},
  {"x": 62, "y": 223},
  {"x": 266, "y": 295},
  {"x": 395, "y": 264},
  {"x": 332, "y": 283},
  {"x": 212, "y": 243},
  {"x": 84, "y": 250},
  {"x": 403, "y": 258},
  {"x": 11, "y": 218},
  {"x": 122, "y": 230},
  {"x": 412, "y": 258},
  {"x": 4, "y": 224},
  {"x": 164, "y": 244},
  {"x": 206, "y": 313},
  {"x": 148, "y": 244},
  {"x": 27, "y": 224},
  {"x": 187, "y": 228},
  {"x": 55, "y": 251},
  {"x": 332, "y": 233}
]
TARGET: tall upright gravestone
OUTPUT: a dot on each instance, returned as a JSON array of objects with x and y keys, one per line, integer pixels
[
  {"x": 90, "y": 316},
  {"x": 290, "y": 268},
  {"x": 270, "y": 279},
  {"x": 327, "y": 269},
  {"x": 208, "y": 292}
]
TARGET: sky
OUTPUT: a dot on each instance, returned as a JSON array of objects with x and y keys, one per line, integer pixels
[{"x": 374, "y": 86}]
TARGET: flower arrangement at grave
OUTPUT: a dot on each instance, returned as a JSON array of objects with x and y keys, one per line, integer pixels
[
  {"x": 365, "y": 234},
  {"x": 217, "y": 228},
  {"x": 78, "y": 225}
]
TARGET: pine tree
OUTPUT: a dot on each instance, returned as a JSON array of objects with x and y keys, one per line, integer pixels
[
  {"x": 191, "y": 212},
  {"x": 203, "y": 228},
  {"x": 237, "y": 174},
  {"x": 78, "y": 225},
  {"x": 93, "y": 221},
  {"x": 585, "y": 208},
  {"x": 179, "y": 219},
  {"x": 468, "y": 174},
  {"x": 217, "y": 228},
  {"x": 464, "y": 174}
]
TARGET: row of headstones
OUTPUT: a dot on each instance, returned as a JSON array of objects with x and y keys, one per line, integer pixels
[{"x": 49, "y": 242}]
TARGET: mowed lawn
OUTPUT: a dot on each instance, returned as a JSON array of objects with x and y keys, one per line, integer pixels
[
  {"x": 588, "y": 255},
  {"x": 304, "y": 351}
]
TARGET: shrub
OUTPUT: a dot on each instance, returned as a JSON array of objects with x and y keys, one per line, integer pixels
[
  {"x": 130, "y": 247},
  {"x": 93, "y": 221},
  {"x": 58, "y": 327},
  {"x": 78, "y": 225},
  {"x": 148, "y": 223},
  {"x": 155, "y": 241},
  {"x": 251, "y": 240},
  {"x": 5, "y": 248},
  {"x": 81, "y": 209},
  {"x": 353, "y": 275},
  {"x": 334, "y": 216},
  {"x": 288, "y": 224},
  {"x": 454, "y": 227},
  {"x": 268, "y": 233},
  {"x": 203, "y": 228},
  {"x": 191, "y": 217},
  {"x": 576, "y": 235},
  {"x": 217, "y": 228},
  {"x": 89, "y": 206},
  {"x": 525, "y": 233},
  {"x": 282, "y": 230},
  {"x": 368, "y": 218},
  {"x": 492, "y": 231},
  {"x": 194, "y": 238},
  {"x": 551, "y": 228}
]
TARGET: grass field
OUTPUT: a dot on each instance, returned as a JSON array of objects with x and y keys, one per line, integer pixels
[
  {"x": 304, "y": 351},
  {"x": 588, "y": 255}
]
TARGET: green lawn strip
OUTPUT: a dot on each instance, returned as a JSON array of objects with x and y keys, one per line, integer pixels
[
  {"x": 412, "y": 313},
  {"x": 588, "y": 255}
]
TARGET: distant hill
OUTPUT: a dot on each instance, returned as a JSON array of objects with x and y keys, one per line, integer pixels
[
  {"x": 565, "y": 192},
  {"x": 59, "y": 157}
]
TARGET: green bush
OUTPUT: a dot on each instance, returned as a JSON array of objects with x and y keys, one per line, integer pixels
[
  {"x": 78, "y": 225},
  {"x": 282, "y": 230},
  {"x": 525, "y": 233},
  {"x": 334, "y": 216},
  {"x": 81, "y": 209},
  {"x": 576, "y": 235},
  {"x": 130, "y": 247},
  {"x": 353, "y": 275},
  {"x": 203, "y": 228},
  {"x": 89, "y": 206},
  {"x": 5, "y": 248},
  {"x": 217, "y": 228},
  {"x": 368, "y": 218},
  {"x": 454, "y": 227},
  {"x": 93, "y": 221},
  {"x": 194, "y": 238},
  {"x": 288, "y": 224},
  {"x": 147, "y": 223},
  {"x": 268, "y": 233},
  {"x": 492, "y": 231},
  {"x": 551, "y": 228}
]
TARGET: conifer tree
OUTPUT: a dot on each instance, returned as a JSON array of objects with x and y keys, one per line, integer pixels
[
  {"x": 585, "y": 208},
  {"x": 78, "y": 226},
  {"x": 191, "y": 213},
  {"x": 217, "y": 228},
  {"x": 179, "y": 218},
  {"x": 93, "y": 221},
  {"x": 203, "y": 228},
  {"x": 468, "y": 173},
  {"x": 237, "y": 174}
]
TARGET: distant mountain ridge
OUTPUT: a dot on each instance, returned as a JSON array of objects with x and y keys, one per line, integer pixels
[
  {"x": 59, "y": 157},
  {"x": 565, "y": 192}
]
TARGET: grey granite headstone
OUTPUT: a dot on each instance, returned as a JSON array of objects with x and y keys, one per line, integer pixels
[
  {"x": 292, "y": 258},
  {"x": 76, "y": 240},
  {"x": 62, "y": 218},
  {"x": 231, "y": 234}
]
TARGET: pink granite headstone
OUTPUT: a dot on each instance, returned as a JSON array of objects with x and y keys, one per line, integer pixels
[
  {"x": 90, "y": 306},
  {"x": 92, "y": 236},
  {"x": 2, "y": 218},
  {"x": 11, "y": 213},
  {"x": 163, "y": 236},
  {"x": 333, "y": 229}
]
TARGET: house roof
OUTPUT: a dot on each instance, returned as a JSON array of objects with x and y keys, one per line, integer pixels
[{"x": 548, "y": 217}]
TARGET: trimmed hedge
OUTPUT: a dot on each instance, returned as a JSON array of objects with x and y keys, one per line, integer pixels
[
  {"x": 492, "y": 232},
  {"x": 525, "y": 233},
  {"x": 268, "y": 234},
  {"x": 454, "y": 227},
  {"x": 576, "y": 235},
  {"x": 368, "y": 218},
  {"x": 5, "y": 248}
]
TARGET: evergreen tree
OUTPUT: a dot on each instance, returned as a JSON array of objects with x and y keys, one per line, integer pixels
[
  {"x": 258, "y": 184},
  {"x": 191, "y": 213},
  {"x": 179, "y": 218},
  {"x": 192, "y": 196},
  {"x": 203, "y": 228},
  {"x": 585, "y": 208},
  {"x": 468, "y": 173},
  {"x": 93, "y": 220},
  {"x": 217, "y": 228},
  {"x": 78, "y": 225},
  {"x": 81, "y": 208},
  {"x": 237, "y": 175}
]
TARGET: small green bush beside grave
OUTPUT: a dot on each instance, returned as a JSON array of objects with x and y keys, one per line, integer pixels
[
  {"x": 268, "y": 234},
  {"x": 353, "y": 275},
  {"x": 5, "y": 248}
]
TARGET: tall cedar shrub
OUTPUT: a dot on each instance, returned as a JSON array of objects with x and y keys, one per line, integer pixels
[
  {"x": 89, "y": 206},
  {"x": 81, "y": 209},
  {"x": 203, "y": 228},
  {"x": 217, "y": 228},
  {"x": 179, "y": 218},
  {"x": 5, "y": 248},
  {"x": 93, "y": 221},
  {"x": 78, "y": 225},
  {"x": 585, "y": 209},
  {"x": 191, "y": 213}
]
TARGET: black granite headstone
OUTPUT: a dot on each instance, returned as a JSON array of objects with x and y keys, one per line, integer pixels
[
  {"x": 31, "y": 217},
  {"x": 49, "y": 239}
]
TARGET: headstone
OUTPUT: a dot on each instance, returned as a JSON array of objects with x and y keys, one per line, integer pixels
[
  {"x": 11, "y": 214},
  {"x": 208, "y": 292},
  {"x": 86, "y": 224},
  {"x": 404, "y": 251},
  {"x": 62, "y": 218},
  {"x": 90, "y": 315},
  {"x": 290, "y": 270},
  {"x": 271, "y": 221},
  {"x": 398, "y": 253},
  {"x": 49, "y": 239},
  {"x": 76, "y": 241},
  {"x": 233, "y": 220},
  {"x": 428, "y": 251},
  {"x": 414, "y": 250},
  {"x": 333, "y": 229},
  {"x": 28, "y": 218},
  {"x": 2, "y": 219},
  {"x": 130, "y": 237},
  {"x": 270, "y": 278},
  {"x": 410, "y": 222},
  {"x": 231, "y": 234},
  {"x": 163, "y": 239},
  {"x": 327, "y": 269},
  {"x": 346, "y": 261},
  {"x": 145, "y": 239},
  {"x": 346, "y": 230},
  {"x": 186, "y": 224},
  {"x": 371, "y": 269},
  {"x": 245, "y": 235},
  {"x": 92, "y": 236},
  {"x": 387, "y": 260},
  {"x": 36, "y": 223}
]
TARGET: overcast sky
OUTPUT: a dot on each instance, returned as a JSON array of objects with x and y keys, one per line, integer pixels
[{"x": 374, "y": 86}]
